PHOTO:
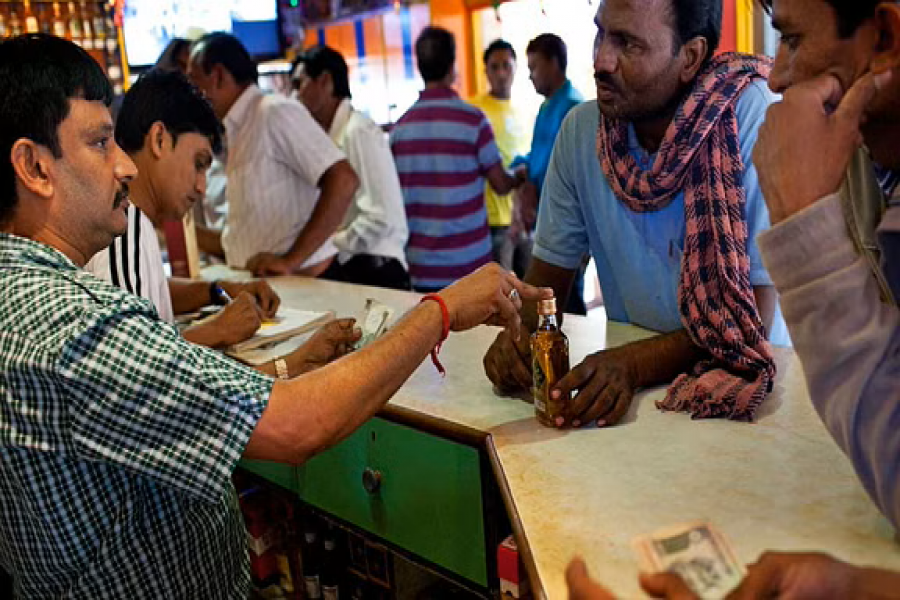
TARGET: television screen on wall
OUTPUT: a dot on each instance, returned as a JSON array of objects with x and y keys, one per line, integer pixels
[{"x": 149, "y": 25}]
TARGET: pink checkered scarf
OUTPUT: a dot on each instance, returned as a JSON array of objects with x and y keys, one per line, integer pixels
[{"x": 701, "y": 156}]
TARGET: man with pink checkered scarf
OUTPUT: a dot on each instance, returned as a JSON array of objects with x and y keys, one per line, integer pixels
[{"x": 655, "y": 179}]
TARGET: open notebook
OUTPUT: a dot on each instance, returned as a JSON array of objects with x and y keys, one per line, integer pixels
[{"x": 288, "y": 323}]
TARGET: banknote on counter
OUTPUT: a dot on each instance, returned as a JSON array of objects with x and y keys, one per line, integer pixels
[
  {"x": 698, "y": 552},
  {"x": 375, "y": 321}
]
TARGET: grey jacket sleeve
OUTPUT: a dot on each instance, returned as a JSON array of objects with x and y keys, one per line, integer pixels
[{"x": 848, "y": 341}]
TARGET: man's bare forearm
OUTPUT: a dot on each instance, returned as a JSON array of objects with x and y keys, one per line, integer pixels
[
  {"x": 210, "y": 241},
  {"x": 659, "y": 360},
  {"x": 338, "y": 186},
  {"x": 320, "y": 408},
  {"x": 188, "y": 295}
]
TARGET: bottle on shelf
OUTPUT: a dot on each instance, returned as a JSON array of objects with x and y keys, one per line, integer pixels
[
  {"x": 45, "y": 18},
  {"x": 87, "y": 27},
  {"x": 76, "y": 34},
  {"x": 15, "y": 23},
  {"x": 112, "y": 34},
  {"x": 331, "y": 568},
  {"x": 31, "y": 20},
  {"x": 550, "y": 363},
  {"x": 98, "y": 25},
  {"x": 59, "y": 23},
  {"x": 4, "y": 23},
  {"x": 311, "y": 561}
]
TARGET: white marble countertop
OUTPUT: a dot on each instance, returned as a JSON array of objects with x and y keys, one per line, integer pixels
[{"x": 778, "y": 484}]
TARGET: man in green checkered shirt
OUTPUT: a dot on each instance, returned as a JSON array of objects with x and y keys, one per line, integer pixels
[{"x": 117, "y": 437}]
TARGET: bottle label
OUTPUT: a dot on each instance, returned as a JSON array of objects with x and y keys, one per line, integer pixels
[
  {"x": 59, "y": 29},
  {"x": 329, "y": 592},
  {"x": 313, "y": 588},
  {"x": 540, "y": 378},
  {"x": 31, "y": 25}
]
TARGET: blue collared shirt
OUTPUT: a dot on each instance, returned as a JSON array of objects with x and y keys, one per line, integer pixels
[
  {"x": 546, "y": 127},
  {"x": 638, "y": 255}
]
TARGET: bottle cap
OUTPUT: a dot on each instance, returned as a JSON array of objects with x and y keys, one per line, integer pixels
[{"x": 547, "y": 307}]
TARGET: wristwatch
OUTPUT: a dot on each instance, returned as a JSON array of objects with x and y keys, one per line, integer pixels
[
  {"x": 281, "y": 369},
  {"x": 217, "y": 295}
]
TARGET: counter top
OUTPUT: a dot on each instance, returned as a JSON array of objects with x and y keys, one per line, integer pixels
[{"x": 778, "y": 484}]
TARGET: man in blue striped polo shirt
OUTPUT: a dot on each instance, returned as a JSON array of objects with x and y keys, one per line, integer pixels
[{"x": 445, "y": 149}]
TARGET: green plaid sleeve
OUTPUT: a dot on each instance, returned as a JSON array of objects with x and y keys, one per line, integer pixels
[{"x": 147, "y": 400}]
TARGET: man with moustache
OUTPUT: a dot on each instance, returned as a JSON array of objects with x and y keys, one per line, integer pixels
[
  {"x": 118, "y": 438},
  {"x": 673, "y": 128}
]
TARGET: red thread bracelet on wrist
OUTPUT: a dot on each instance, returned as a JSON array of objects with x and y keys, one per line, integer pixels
[{"x": 445, "y": 331}]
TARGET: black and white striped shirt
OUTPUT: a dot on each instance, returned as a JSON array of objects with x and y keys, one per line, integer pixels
[{"x": 134, "y": 263}]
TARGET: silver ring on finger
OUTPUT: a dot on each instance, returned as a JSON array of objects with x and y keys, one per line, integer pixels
[{"x": 513, "y": 295}]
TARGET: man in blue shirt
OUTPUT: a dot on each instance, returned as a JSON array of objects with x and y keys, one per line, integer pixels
[
  {"x": 547, "y": 62},
  {"x": 643, "y": 83}
]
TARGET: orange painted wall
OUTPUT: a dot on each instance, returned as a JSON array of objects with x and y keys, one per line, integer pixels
[
  {"x": 456, "y": 17},
  {"x": 729, "y": 26}
]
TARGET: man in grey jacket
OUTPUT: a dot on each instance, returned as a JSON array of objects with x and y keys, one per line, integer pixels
[
  {"x": 832, "y": 251},
  {"x": 829, "y": 159}
]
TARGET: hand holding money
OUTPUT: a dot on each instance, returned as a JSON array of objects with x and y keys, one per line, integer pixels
[
  {"x": 697, "y": 553},
  {"x": 660, "y": 585},
  {"x": 374, "y": 323}
]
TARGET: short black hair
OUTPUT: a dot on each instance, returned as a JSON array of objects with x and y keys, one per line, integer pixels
[
  {"x": 435, "y": 53},
  {"x": 497, "y": 46},
  {"x": 550, "y": 46},
  {"x": 168, "y": 60},
  {"x": 698, "y": 18},
  {"x": 220, "y": 48},
  {"x": 318, "y": 60},
  {"x": 166, "y": 97},
  {"x": 850, "y": 13},
  {"x": 39, "y": 75}
]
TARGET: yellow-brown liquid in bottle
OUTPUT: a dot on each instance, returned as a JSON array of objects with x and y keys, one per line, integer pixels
[{"x": 549, "y": 363}]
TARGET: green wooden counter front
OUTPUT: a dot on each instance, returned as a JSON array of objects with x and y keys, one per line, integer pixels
[{"x": 428, "y": 500}]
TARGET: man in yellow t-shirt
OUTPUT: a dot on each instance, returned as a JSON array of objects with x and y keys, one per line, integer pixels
[{"x": 512, "y": 132}]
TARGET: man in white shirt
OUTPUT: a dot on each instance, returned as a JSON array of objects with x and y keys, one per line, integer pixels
[
  {"x": 372, "y": 239},
  {"x": 289, "y": 186},
  {"x": 170, "y": 132}
]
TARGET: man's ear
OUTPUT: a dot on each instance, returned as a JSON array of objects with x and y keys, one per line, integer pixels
[
  {"x": 33, "y": 165},
  {"x": 220, "y": 76},
  {"x": 887, "y": 48},
  {"x": 328, "y": 82},
  {"x": 694, "y": 53},
  {"x": 156, "y": 139}
]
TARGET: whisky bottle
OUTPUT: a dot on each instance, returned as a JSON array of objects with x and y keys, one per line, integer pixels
[
  {"x": 31, "y": 20},
  {"x": 45, "y": 19},
  {"x": 98, "y": 23},
  {"x": 59, "y": 23},
  {"x": 4, "y": 27},
  {"x": 87, "y": 27},
  {"x": 549, "y": 363},
  {"x": 75, "y": 30},
  {"x": 15, "y": 23}
]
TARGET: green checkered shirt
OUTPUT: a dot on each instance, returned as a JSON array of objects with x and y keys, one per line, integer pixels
[{"x": 117, "y": 442}]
